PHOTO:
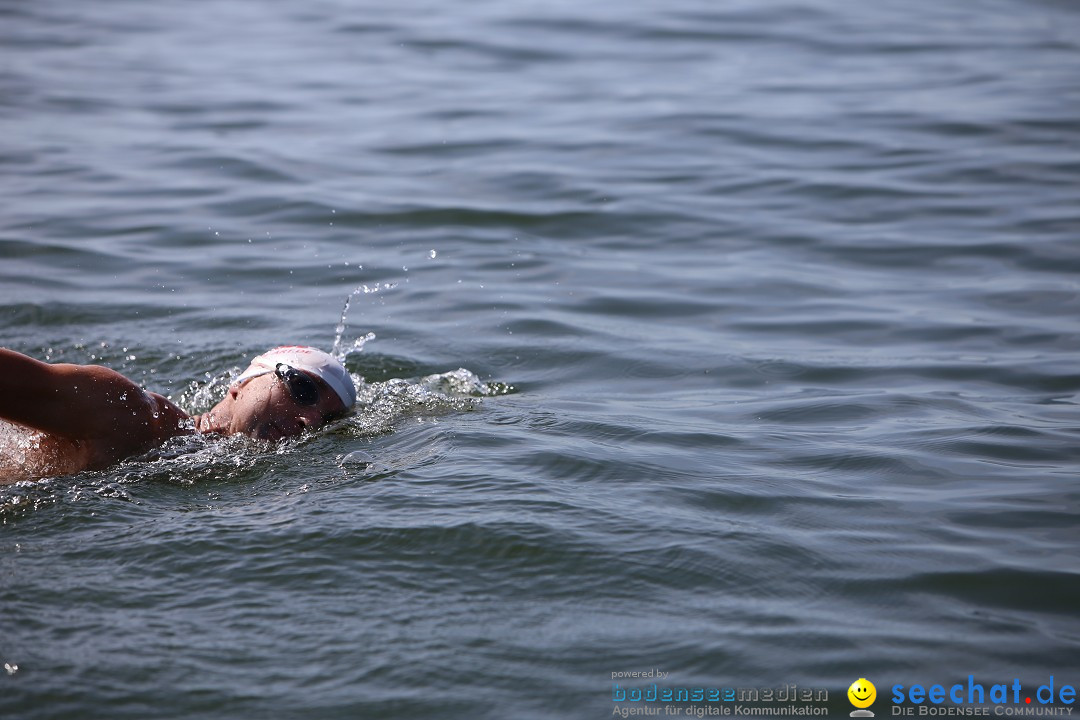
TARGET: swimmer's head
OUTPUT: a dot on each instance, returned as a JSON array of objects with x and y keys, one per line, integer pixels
[
  {"x": 309, "y": 360},
  {"x": 282, "y": 393}
]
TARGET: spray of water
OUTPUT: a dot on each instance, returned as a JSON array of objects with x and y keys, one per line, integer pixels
[{"x": 339, "y": 332}]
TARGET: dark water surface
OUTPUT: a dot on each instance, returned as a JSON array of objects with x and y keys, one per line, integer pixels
[{"x": 766, "y": 316}]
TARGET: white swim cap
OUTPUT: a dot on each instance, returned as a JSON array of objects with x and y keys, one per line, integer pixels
[{"x": 308, "y": 359}]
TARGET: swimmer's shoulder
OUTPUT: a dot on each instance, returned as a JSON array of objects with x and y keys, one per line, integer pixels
[
  {"x": 91, "y": 414},
  {"x": 153, "y": 419}
]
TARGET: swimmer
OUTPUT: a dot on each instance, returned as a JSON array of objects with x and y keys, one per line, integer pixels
[{"x": 88, "y": 417}]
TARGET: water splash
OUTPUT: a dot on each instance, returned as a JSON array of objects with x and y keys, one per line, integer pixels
[
  {"x": 462, "y": 382},
  {"x": 28, "y": 454},
  {"x": 381, "y": 406},
  {"x": 201, "y": 396},
  {"x": 339, "y": 331}
]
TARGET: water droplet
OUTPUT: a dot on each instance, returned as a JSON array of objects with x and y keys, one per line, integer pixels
[{"x": 358, "y": 457}]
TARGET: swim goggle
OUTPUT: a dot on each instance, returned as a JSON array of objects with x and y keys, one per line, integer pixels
[{"x": 301, "y": 387}]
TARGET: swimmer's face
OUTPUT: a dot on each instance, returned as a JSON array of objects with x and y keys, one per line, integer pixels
[{"x": 266, "y": 408}]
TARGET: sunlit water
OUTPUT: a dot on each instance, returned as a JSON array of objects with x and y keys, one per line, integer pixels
[{"x": 736, "y": 340}]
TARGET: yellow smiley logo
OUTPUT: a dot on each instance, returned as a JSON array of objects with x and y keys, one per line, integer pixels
[{"x": 862, "y": 693}]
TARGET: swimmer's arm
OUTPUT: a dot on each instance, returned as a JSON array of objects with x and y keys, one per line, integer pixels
[{"x": 80, "y": 401}]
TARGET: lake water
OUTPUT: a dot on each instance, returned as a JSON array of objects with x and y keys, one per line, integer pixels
[{"x": 735, "y": 340}]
